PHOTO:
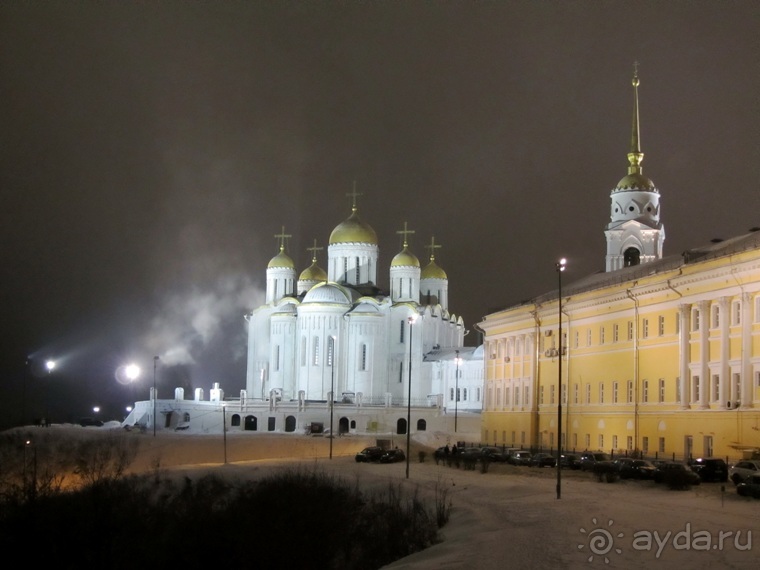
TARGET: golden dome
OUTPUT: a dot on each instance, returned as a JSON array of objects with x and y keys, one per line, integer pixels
[
  {"x": 432, "y": 271},
  {"x": 405, "y": 258},
  {"x": 282, "y": 259},
  {"x": 313, "y": 273},
  {"x": 353, "y": 230},
  {"x": 636, "y": 181}
]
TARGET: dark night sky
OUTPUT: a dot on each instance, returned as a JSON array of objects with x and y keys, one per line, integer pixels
[{"x": 151, "y": 150}]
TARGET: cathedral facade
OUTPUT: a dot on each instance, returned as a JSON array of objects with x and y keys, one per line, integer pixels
[{"x": 335, "y": 336}]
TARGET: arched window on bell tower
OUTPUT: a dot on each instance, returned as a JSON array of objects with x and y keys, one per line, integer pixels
[{"x": 631, "y": 257}]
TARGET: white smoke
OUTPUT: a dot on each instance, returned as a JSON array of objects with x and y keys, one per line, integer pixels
[{"x": 190, "y": 321}]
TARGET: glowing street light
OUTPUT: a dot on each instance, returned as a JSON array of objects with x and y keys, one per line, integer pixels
[
  {"x": 50, "y": 365},
  {"x": 411, "y": 321},
  {"x": 132, "y": 371},
  {"x": 560, "y": 266}
]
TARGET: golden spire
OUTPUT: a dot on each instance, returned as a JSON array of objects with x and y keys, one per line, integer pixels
[
  {"x": 432, "y": 247},
  {"x": 282, "y": 237},
  {"x": 405, "y": 232},
  {"x": 635, "y": 156},
  {"x": 313, "y": 249},
  {"x": 353, "y": 195}
]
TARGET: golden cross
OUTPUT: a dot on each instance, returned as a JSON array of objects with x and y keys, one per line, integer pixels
[
  {"x": 432, "y": 247},
  {"x": 282, "y": 237},
  {"x": 405, "y": 233}
]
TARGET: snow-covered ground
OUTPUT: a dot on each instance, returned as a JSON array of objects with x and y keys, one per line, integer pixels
[{"x": 507, "y": 517}]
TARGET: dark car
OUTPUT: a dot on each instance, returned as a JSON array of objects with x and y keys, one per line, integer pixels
[
  {"x": 666, "y": 470},
  {"x": 750, "y": 487},
  {"x": 392, "y": 456},
  {"x": 744, "y": 469},
  {"x": 493, "y": 454},
  {"x": 630, "y": 468},
  {"x": 570, "y": 461},
  {"x": 520, "y": 458},
  {"x": 85, "y": 422},
  {"x": 369, "y": 454},
  {"x": 542, "y": 460},
  {"x": 710, "y": 469},
  {"x": 590, "y": 459}
]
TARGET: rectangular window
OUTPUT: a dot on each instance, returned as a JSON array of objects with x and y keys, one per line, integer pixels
[
  {"x": 601, "y": 441},
  {"x": 615, "y": 392},
  {"x": 401, "y": 372},
  {"x": 661, "y": 447},
  {"x": 364, "y": 357},
  {"x": 577, "y": 339},
  {"x": 715, "y": 387},
  {"x": 661, "y": 396},
  {"x": 507, "y": 392},
  {"x": 517, "y": 396},
  {"x": 601, "y": 392},
  {"x": 551, "y": 394},
  {"x": 645, "y": 445},
  {"x": 660, "y": 325},
  {"x": 588, "y": 440},
  {"x": 736, "y": 313},
  {"x": 614, "y": 442},
  {"x": 277, "y": 357},
  {"x": 708, "y": 445},
  {"x": 615, "y": 332},
  {"x": 588, "y": 337},
  {"x": 601, "y": 335},
  {"x": 451, "y": 394},
  {"x": 629, "y": 443},
  {"x": 695, "y": 389},
  {"x": 564, "y": 393},
  {"x": 714, "y": 316},
  {"x": 695, "y": 319},
  {"x": 541, "y": 395},
  {"x": 575, "y": 393},
  {"x": 645, "y": 328},
  {"x": 588, "y": 393},
  {"x": 402, "y": 332},
  {"x": 315, "y": 352},
  {"x": 630, "y": 330},
  {"x": 645, "y": 394},
  {"x": 629, "y": 392},
  {"x": 330, "y": 350},
  {"x": 526, "y": 394}
]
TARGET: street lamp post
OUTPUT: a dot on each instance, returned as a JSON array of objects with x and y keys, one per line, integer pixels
[
  {"x": 332, "y": 391},
  {"x": 155, "y": 362},
  {"x": 456, "y": 390},
  {"x": 560, "y": 268},
  {"x": 411, "y": 320},
  {"x": 49, "y": 365}
]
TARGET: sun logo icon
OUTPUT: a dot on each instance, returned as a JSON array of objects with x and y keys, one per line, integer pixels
[{"x": 600, "y": 541}]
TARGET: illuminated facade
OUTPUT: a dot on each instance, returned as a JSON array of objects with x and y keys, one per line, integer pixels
[{"x": 659, "y": 354}]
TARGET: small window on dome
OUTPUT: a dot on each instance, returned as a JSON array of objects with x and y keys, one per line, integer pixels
[{"x": 630, "y": 208}]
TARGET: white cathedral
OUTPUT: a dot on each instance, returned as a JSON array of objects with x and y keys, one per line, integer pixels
[{"x": 333, "y": 344}]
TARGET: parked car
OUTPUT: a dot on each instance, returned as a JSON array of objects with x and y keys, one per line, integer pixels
[
  {"x": 520, "y": 458},
  {"x": 710, "y": 469},
  {"x": 542, "y": 460},
  {"x": 589, "y": 459},
  {"x": 369, "y": 454},
  {"x": 742, "y": 470},
  {"x": 630, "y": 468},
  {"x": 570, "y": 461},
  {"x": 662, "y": 472},
  {"x": 750, "y": 487},
  {"x": 392, "y": 456},
  {"x": 85, "y": 422},
  {"x": 493, "y": 454}
]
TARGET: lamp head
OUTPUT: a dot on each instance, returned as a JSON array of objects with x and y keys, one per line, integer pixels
[{"x": 561, "y": 264}]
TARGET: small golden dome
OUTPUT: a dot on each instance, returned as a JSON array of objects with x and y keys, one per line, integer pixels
[
  {"x": 405, "y": 258},
  {"x": 432, "y": 271},
  {"x": 636, "y": 181},
  {"x": 281, "y": 260},
  {"x": 313, "y": 273},
  {"x": 353, "y": 230}
]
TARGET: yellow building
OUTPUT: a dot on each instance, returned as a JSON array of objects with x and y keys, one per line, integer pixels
[{"x": 659, "y": 354}]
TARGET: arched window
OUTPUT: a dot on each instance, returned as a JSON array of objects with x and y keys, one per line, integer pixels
[
  {"x": 235, "y": 420},
  {"x": 290, "y": 424},
  {"x": 421, "y": 425},
  {"x": 363, "y": 361},
  {"x": 631, "y": 257},
  {"x": 315, "y": 359}
]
